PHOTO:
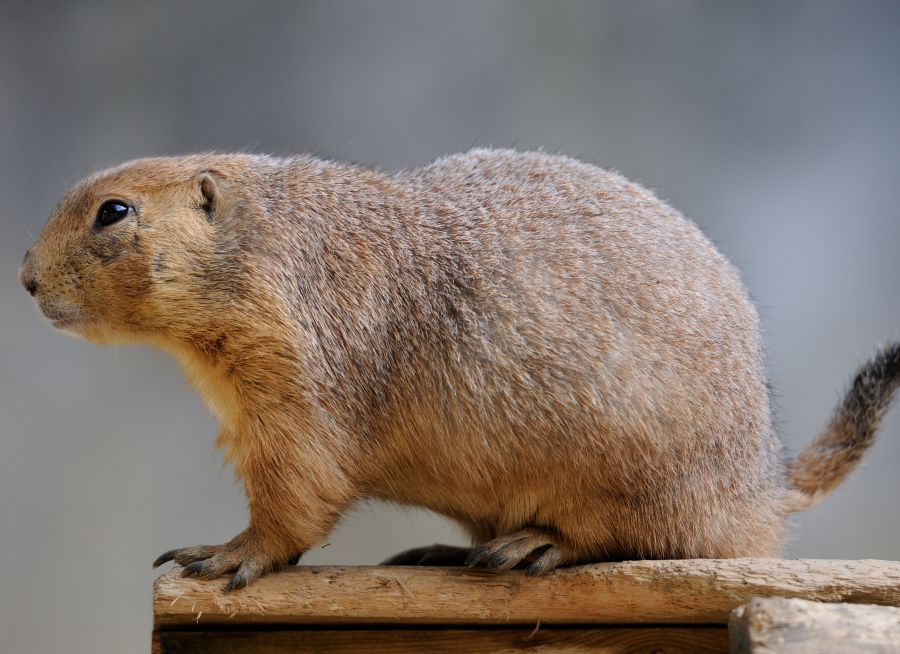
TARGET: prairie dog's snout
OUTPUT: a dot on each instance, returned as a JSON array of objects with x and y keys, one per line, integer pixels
[
  {"x": 50, "y": 291},
  {"x": 28, "y": 274}
]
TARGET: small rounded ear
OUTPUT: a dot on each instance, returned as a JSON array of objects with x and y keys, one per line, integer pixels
[{"x": 209, "y": 193}]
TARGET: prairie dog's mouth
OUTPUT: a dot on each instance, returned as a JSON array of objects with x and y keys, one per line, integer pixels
[{"x": 61, "y": 317}]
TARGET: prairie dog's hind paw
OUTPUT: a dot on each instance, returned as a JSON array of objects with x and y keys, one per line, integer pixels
[{"x": 543, "y": 550}]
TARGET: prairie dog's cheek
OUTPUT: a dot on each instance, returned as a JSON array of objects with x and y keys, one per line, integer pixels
[
  {"x": 108, "y": 282},
  {"x": 107, "y": 249},
  {"x": 94, "y": 291},
  {"x": 166, "y": 268},
  {"x": 159, "y": 264}
]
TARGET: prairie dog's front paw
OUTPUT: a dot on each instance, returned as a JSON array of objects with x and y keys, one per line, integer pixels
[{"x": 246, "y": 555}]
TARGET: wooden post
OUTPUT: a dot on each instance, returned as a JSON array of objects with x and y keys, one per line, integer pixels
[
  {"x": 795, "y": 626},
  {"x": 613, "y": 605}
]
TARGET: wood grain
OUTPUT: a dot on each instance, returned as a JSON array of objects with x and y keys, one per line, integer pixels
[
  {"x": 701, "y": 591},
  {"x": 795, "y": 626},
  {"x": 671, "y": 640}
]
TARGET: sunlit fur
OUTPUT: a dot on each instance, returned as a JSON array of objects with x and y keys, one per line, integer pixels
[{"x": 514, "y": 340}]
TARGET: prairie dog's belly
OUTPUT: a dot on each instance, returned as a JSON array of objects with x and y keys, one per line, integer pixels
[{"x": 481, "y": 464}]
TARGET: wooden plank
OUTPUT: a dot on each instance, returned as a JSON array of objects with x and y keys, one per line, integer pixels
[
  {"x": 672, "y": 640},
  {"x": 794, "y": 626},
  {"x": 700, "y": 591}
]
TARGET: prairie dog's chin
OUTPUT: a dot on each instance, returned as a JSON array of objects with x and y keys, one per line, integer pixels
[
  {"x": 77, "y": 327},
  {"x": 73, "y": 322},
  {"x": 63, "y": 318},
  {"x": 69, "y": 325}
]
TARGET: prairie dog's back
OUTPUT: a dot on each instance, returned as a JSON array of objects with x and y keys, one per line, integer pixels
[{"x": 604, "y": 280}]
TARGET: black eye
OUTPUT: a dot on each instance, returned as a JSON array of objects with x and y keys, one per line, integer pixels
[{"x": 111, "y": 211}]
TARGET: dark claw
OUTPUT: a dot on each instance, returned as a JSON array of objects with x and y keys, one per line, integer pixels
[
  {"x": 475, "y": 557},
  {"x": 193, "y": 570},
  {"x": 494, "y": 561},
  {"x": 165, "y": 557},
  {"x": 238, "y": 580},
  {"x": 543, "y": 564}
]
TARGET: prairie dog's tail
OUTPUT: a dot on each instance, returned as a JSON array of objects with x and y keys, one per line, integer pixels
[{"x": 834, "y": 453}]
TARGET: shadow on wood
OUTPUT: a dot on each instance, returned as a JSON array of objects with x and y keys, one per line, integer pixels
[{"x": 670, "y": 640}]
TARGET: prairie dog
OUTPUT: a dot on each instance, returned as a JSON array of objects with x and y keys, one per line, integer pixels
[{"x": 533, "y": 346}]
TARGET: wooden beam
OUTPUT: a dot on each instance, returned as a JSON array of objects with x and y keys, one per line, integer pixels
[
  {"x": 795, "y": 626},
  {"x": 699, "y": 591},
  {"x": 608, "y": 640}
]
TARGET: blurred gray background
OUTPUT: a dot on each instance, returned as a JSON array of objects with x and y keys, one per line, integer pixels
[{"x": 776, "y": 126}]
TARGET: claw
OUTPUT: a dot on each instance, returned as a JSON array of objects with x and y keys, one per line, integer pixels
[
  {"x": 193, "y": 570},
  {"x": 165, "y": 557},
  {"x": 545, "y": 562},
  {"x": 476, "y": 556},
  {"x": 509, "y": 554},
  {"x": 246, "y": 573},
  {"x": 236, "y": 583},
  {"x": 494, "y": 561}
]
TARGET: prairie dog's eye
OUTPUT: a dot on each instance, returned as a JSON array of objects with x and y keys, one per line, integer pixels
[{"x": 111, "y": 211}]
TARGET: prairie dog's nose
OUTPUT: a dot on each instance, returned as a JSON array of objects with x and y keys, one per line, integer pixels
[
  {"x": 30, "y": 285},
  {"x": 27, "y": 276}
]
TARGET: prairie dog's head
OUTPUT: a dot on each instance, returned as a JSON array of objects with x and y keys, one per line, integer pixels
[{"x": 124, "y": 253}]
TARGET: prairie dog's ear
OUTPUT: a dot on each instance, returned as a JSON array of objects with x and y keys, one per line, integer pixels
[{"x": 209, "y": 193}]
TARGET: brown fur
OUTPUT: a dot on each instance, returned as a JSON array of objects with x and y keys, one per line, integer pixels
[{"x": 530, "y": 345}]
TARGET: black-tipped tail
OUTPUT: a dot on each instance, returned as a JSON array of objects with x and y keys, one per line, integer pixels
[{"x": 833, "y": 454}]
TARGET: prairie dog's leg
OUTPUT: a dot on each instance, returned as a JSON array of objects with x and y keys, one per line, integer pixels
[{"x": 289, "y": 513}]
